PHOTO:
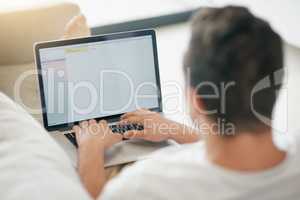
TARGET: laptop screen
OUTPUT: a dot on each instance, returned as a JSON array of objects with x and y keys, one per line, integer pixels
[{"x": 98, "y": 79}]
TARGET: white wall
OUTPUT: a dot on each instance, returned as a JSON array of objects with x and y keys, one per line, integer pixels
[{"x": 284, "y": 16}]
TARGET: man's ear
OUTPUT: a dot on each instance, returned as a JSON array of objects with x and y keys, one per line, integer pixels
[{"x": 195, "y": 102}]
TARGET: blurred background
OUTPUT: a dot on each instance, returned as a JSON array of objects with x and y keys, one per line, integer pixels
[
  {"x": 150, "y": 13},
  {"x": 102, "y": 12}
]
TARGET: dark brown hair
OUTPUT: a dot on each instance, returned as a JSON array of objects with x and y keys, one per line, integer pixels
[{"x": 232, "y": 45}]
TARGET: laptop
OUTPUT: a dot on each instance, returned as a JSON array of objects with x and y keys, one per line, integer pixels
[{"x": 100, "y": 77}]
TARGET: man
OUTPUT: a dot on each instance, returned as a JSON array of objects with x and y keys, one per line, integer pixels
[{"x": 230, "y": 52}]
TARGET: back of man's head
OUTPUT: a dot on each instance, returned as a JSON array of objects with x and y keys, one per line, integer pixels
[{"x": 231, "y": 50}]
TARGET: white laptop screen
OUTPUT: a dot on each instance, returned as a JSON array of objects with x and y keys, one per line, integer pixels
[{"x": 98, "y": 79}]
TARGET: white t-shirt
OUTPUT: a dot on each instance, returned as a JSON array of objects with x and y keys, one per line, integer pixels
[{"x": 184, "y": 173}]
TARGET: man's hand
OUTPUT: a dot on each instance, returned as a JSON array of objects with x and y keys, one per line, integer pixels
[
  {"x": 99, "y": 134},
  {"x": 93, "y": 139},
  {"x": 157, "y": 128}
]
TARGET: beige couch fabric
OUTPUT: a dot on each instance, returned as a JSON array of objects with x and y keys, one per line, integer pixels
[{"x": 23, "y": 24}]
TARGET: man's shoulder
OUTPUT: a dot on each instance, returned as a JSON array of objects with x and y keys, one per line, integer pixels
[
  {"x": 174, "y": 155},
  {"x": 165, "y": 170}
]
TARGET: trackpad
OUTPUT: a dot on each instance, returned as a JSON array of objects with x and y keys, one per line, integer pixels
[
  {"x": 124, "y": 152},
  {"x": 131, "y": 150}
]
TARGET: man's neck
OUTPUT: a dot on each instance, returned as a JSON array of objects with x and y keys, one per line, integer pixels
[{"x": 244, "y": 152}]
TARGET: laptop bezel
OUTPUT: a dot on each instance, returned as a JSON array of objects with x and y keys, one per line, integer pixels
[{"x": 98, "y": 38}]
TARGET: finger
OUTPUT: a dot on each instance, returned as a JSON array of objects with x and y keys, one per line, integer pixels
[
  {"x": 144, "y": 109},
  {"x": 104, "y": 126},
  {"x": 122, "y": 122},
  {"x": 138, "y": 112},
  {"x": 76, "y": 128},
  {"x": 77, "y": 131},
  {"x": 92, "y": 121},
  {"x": 134, "y": 134},
  {"x": 133, "y": 120},
  {"x": 93, "y": 127},
  {"x": 126, "y": 115},
  {"x": 103, "y": 123},
  {"x": 83, "y": 124}
]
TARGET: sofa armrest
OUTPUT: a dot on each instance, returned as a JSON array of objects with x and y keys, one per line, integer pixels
[{"x": 22, "y": 26}]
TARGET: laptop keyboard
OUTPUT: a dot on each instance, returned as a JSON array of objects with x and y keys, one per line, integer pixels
[{"x": 121, "y": 129}]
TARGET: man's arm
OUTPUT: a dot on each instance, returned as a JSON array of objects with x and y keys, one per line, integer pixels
[
  {"x": 184, "y": 134},
  {"x": 91, "y": 168},
  {"x": 93, "y": 139}
]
